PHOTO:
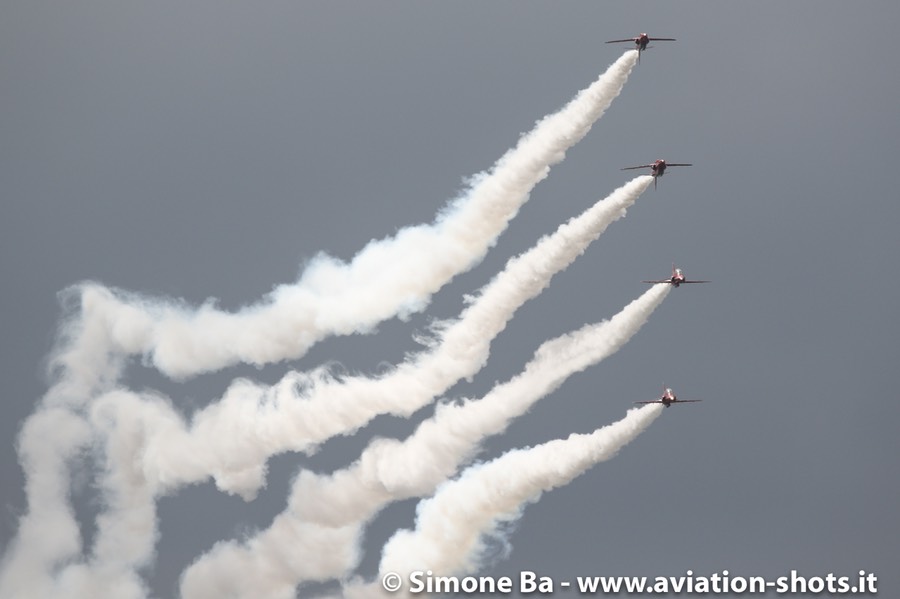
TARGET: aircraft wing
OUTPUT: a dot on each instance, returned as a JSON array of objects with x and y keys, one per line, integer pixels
[
  {"x": 654, "y": 401},
  {"x": 630, "y": 39},
  {"x": 678, "y": 164},
  {"x": 686, "y": 400},
  {"x": 667, "y": 281},
  {"x": 662, "y": 39},
  {"x": 686, "y": 281},
  {"x": 630, "y": 168}
]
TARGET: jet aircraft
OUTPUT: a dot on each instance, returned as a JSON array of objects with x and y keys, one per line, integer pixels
[
  {"x": 641, "y": 42},
  {"x": 668, "y": 398},
  {"x": 657, "y": 169},
  {"x": 676, "y": 279}
]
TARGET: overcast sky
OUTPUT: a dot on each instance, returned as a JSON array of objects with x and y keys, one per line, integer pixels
[{"x": 196, "y": 150}]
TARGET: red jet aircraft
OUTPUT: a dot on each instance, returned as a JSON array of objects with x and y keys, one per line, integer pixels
[
  {"x": 657, "y": 169},
  {"x": 641, "y": 42},
  {"x": 676, "y": 279},
  {"x": 668, "y": 398}
]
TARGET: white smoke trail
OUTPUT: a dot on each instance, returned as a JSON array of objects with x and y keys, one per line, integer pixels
[
  {"x": 390, "y": 470},
  {"x": 396, "y": 275},
  {"x": 232, "y": 439},
  {"x": 240, "y": 436},
  {"x": 451, "y": 526},
  {"x": 181, "y": 342}
]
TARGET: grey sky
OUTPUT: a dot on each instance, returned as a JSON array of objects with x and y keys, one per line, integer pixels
[{"x": 196, "y": 150}]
